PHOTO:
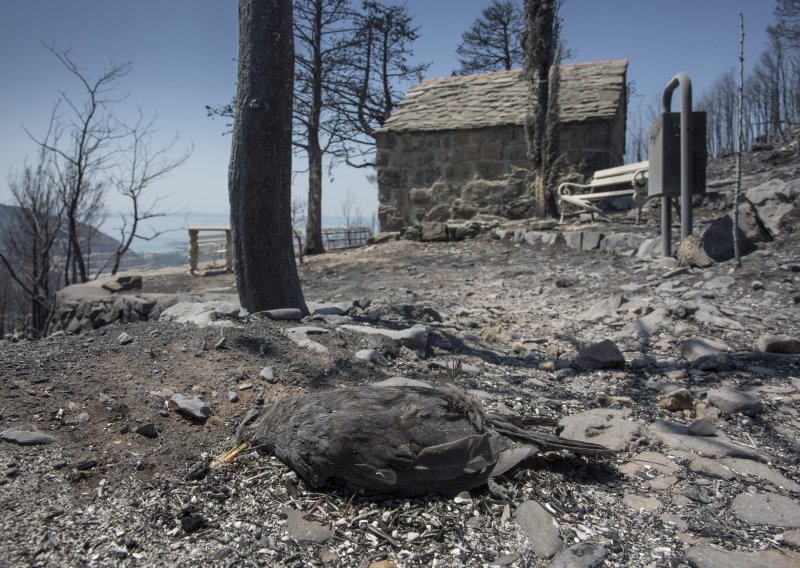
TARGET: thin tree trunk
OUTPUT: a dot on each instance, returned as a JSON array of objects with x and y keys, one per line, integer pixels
[
  {"x": 261, "y": 159},
  {"x": 739, "y": 139},
  {"x": 314, "y": 243}
]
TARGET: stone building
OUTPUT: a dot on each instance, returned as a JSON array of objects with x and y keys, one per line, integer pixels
[{"x": 455, "y": 146}]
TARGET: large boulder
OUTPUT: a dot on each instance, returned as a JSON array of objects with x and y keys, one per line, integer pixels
[
  {"x": 715, "y": 243},
  {"x": 774, "y": 199}
]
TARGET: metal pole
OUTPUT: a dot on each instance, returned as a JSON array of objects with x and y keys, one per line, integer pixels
[{"x": 685, "y": 83}]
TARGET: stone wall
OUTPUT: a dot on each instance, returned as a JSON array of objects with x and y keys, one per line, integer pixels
[
  {"x": 453, "y": 174},
  {"x": 457, "y": 174}
]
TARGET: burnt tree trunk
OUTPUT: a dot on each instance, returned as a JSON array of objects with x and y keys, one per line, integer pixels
[
  {"x": 259, "y": 182},
  {"x": 540, "y": 44},
  {"x": 314, "y": 220}
]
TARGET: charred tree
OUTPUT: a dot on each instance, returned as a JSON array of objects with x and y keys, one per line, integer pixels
[
  {"x": 260, "y": 176},
  {"x": 493, "y": 42},
  {"x": 542, "y": 28}
]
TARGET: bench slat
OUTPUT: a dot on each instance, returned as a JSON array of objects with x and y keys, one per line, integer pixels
[{"x": 626, "y": 169}]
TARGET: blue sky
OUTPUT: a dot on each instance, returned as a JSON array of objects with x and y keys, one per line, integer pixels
[{"x": 183, "y": 54}]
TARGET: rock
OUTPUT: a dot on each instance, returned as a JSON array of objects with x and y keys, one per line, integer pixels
[
  {"x": 299, "y": 336},
  {"x": 711, "y": 468},
  {"x": 773, "y": 200},
  {"x": 283, "y": 314},
  {"x": 26, "y": 436},
  {"x": 122, "y": 283},
  {"x": 676, "y": 400},
  {"x": 639, "y": 503},
  {"x": 779, "y": 344},
  {"x": 761, "y": 471},
  {"x": 651, "y": 461},
  {"x": 698, "y": 347},
  {"x": 303, "y": 530},
  {"x": 433, "y": 232},
  {"x": 690, "y": 253},
  {"x": 602, "y": 355},
  {"x": 124, "y": 338},
  {"x": 147, "y": 430},
  {"x": 604, "y": 308},
  {"x": 204, "y": 314},
  {"x": 192, "y": 523},
  {"x": 233, "y": 396},
  {"x": 717, "y": 239},
  {"x": 372, "y": 356},
  {"x": 676, "y": 437},
  {"x": 698, "y": 494},
  {"x": 540, "y": 527},
  {"x": 86, "y": 465},
  {"x": 701, "y": 556},
  {"x": 606, "y": 426},
  {"x": 268, "y": 375},
  {"x": 415, "y": 337},
  {"x": 721, "y": 283},
  {"x": 581, "y": 555},
  {"x": 731, "y": 400},
  {"x": 767, "y": 509},
  {"x": 83, "y": 418},
  {"x": 645, "y": 326},
  {"x": 191, "y": 407},
  {"x": 702, "y": 428}
]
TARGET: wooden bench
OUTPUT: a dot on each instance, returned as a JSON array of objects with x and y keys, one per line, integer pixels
[{"x": 631, "y": 177}]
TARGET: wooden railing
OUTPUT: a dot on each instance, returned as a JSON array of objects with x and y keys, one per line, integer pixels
[{"x": 214, "y": 248}]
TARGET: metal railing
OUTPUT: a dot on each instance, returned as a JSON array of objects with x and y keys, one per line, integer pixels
[{"x": 214, "y": 248}]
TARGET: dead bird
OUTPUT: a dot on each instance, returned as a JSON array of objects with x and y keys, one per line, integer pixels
[{"x": 385, "y": 441}]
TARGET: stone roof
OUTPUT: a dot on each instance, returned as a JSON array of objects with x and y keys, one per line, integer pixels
[{"x": 588, "y": 90}]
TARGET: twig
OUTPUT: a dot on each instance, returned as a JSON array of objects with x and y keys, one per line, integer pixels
[{"x": 383, "y": 535}]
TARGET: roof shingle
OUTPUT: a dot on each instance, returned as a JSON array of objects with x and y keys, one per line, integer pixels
[{"x": 588, "y": 90}]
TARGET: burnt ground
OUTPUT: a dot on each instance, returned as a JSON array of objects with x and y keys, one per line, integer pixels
[{"x": 516, "y": 315}]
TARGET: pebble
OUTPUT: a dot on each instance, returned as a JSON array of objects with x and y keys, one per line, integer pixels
[
  {"x": 581, "y": 555},
  {"x": 540, "y": 528},
  {"x": 639, "y": 503},
  {"x": 233, "y": 396},
  {"x": 676, "y": 436},
  {"x": 191, "y": 407},
  {"x": 26, "y": 436},
  {"x": 602, "y": 355},
  {"x": 124, "y": 338},
  {"x": 609, "y": 427},
  {"x": 83, "y": 418},
  {"x": 303, "y": 530},
  {"x": 268, "y": 375},
  {"x": 698, "y": 347},
  {"x": 779, "y": 344},
  {"x": 731, "y": 400},
  {"x": 147, "y": 430},
  {"x": 711, "y": 468},
  {"x": 702, "y": 428},
  {"x": 676, "y": 400}
]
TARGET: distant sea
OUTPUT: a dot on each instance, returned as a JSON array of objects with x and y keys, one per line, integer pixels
[{"x": 174, "y": 230}]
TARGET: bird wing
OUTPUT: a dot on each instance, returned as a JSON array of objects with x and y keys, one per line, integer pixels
[{"x": 546, "y": 441}]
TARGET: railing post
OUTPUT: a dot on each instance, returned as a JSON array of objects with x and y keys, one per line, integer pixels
[
  {"x": 193, "y": 253},
  {"x": 228, "y": 250}
]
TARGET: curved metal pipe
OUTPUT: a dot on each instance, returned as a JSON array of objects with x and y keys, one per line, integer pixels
[{"x": 685, "y": 83}]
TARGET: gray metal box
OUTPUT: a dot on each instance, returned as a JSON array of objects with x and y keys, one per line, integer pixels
[{"x": 665, "y": 154}]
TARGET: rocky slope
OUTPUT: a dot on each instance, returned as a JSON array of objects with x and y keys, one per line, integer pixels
[{"x": 690, "y": 373}]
